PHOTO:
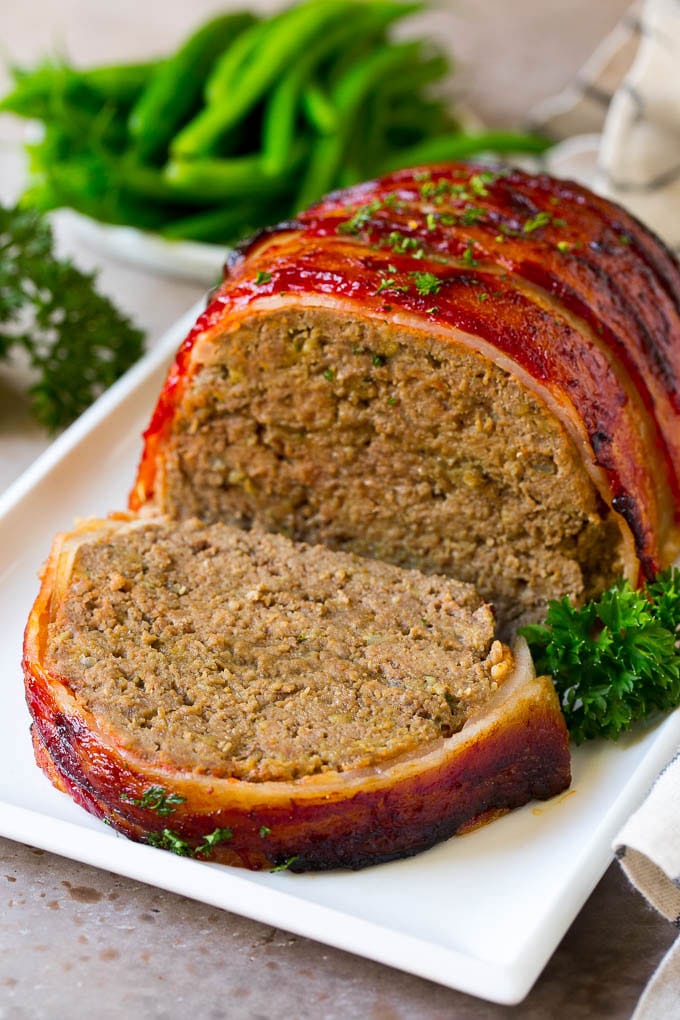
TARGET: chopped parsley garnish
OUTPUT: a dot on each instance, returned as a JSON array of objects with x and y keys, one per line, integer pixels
[
  {"x": 213, "y": 839},
  {"x": 478, "y": 183},
  {"x": 471, "y": 214},
  {"x": 625, "y": 239},
  {"x": 614, "y": 660},
  {"x": 379, "y": 360},
  {"x": 563, "y": 246},
  {"x": 169, "y": 840},
  {"x": 431, "y": 221},
  {"x": 391, "y": 401},
  {"x": 166, "y": 839},
  {"x": 437, "y": 191},
  {"x": 433, "y": 310},
  {"x": 285, "y": 866},
  {"x": 404, "y": 245},
  {"x": 262, "y": 277},
  {"x": 541, "y": 219},
  {"x": 356, "y": 223},
  {"x": 155, "y": 799},
  {"x": 329, "y": 375},
  {"x": 482, "y": 296},
  {"x": 264, "y": 831},
  {"x": 427, "y": 283},
  {"x": 390, "y": 283},
  {"x": 422, "y": 175},
  {"x": 468, "y": 257}
]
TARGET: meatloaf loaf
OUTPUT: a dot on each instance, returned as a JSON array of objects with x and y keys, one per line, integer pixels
[
  {"x": 462, "y": 370},
  {"x": 230, "y": 695}
]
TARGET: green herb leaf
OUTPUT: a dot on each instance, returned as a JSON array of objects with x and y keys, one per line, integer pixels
[
  {"x": 541, "y": 219},
  {"x": 169, "y": 840},
  {"x": 285, "y": 866},
  {"x": 471, "y": 214},
  {"x": 467, "y": 257},
  {"x": 77, "y": 341},
  {"x": 262, "y": 277},
  {"x": 404, "y": 245},
  {"x": 264, "y": 831},
  {"x": 614, "y": 660},
  {"x": 427, "y": 283},
  {"x": 156, "y": 799},
  {"x": 212, "y": 840},
  {"x": 478, "y": 182},
  {"x": 390, "y": 283},
  {"x": 356, "y": 223}
]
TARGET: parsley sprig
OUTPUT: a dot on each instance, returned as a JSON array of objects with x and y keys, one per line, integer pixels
[
  {"x": 77, "y": 342},
  {"x": 614, "y": 660}
]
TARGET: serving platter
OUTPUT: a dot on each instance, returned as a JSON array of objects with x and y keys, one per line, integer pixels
[{"x": 481, "y": 913}]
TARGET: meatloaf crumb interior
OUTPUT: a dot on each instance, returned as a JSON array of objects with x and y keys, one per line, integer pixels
[
  {"x": 371, "y": 438},
  {"x": 240, "y": 653}
]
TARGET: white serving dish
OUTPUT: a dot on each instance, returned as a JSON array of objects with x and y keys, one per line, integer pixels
[{"x": 481, "y": 913}]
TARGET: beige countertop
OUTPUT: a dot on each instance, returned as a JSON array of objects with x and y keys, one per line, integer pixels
[{"x": 77, "y": 942}]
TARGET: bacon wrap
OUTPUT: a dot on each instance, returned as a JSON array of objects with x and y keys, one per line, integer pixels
[
  {"x": 515, "y": 749},
  {"x": 563, "y": 289}
]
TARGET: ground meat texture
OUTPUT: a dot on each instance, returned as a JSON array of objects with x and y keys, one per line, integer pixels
[
  {"x": 239, "y": 653},
  {"x": 367, "y": 437}
]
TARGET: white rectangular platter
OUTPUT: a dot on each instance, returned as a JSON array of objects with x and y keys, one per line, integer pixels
[{"x": 481, "y": 913}]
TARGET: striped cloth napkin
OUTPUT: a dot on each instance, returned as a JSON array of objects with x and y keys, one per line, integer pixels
[{"x": 620, "y": 125}]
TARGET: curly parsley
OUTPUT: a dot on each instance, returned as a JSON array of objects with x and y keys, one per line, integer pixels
[
  {"x": 614, "y": 660},
  {"x": 77, "y": 341}
]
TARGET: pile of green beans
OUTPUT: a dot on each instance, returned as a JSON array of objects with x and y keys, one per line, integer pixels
[{"x": 250, "y": 120}]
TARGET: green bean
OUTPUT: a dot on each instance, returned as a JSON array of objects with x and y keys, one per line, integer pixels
[
  {"x": 319, "y": 110},
  {"x": 120, "y": 83},
  {"x": 278, "y": 128},
  {"x": 347, "y": 96},
  {"x": 35, "y": 91},
  {"x": 295, "y": 29},
  {"x": 459, "y": 146},
  {"x": 177, "y": 83},
  {"x": 71, "y": 185},
  {"x": 279, "y": 125},
  {"x": 218, "y": 179}
]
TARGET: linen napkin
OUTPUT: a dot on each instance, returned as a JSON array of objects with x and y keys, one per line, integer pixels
[{"x": 620, "y": 122}]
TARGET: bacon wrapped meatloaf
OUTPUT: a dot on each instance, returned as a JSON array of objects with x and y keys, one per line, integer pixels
[{"x": 462, "y": 370}]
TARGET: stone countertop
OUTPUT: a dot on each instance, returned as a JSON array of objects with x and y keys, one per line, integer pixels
[{"x": 77, "y": 942}]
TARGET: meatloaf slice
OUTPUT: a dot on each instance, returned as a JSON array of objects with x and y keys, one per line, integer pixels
[
  {"x": 277, "y": 700},
  {"x": 366, "y": 436}
]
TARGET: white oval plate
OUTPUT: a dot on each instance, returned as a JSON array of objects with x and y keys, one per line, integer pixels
[{"x": 190, "y": 260}]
